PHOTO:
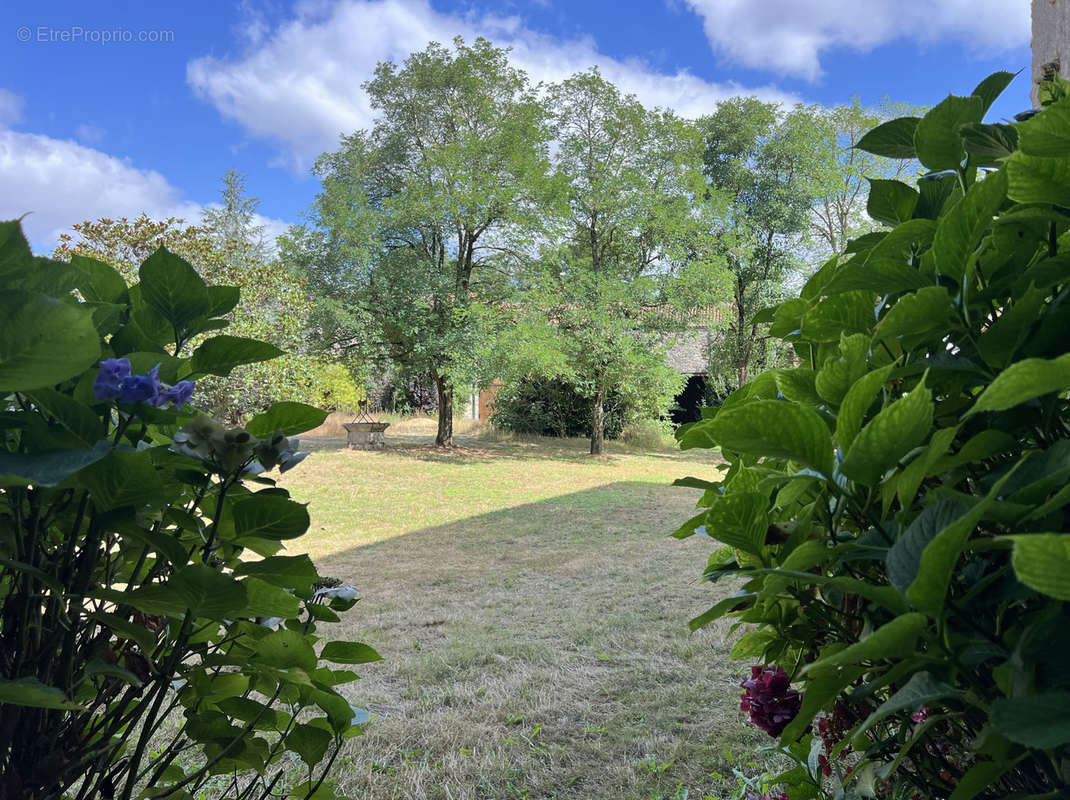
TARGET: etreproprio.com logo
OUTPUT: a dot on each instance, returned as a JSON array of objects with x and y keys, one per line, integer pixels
[{"x": 78, "y": 34}]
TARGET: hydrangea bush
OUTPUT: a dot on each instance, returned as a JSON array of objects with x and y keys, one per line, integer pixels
[
  {"x": 154, "y": 639},
  {"x": 895, "y": 507}
]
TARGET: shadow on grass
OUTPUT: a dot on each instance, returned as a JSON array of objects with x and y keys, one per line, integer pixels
[
  {"x": 471, "y": 449},
  {"x": 564, "y": 618},
  {"x": 563, "y": 521}
]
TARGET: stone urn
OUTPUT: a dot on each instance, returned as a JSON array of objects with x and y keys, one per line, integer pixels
[{"x": 366, "y": 435}]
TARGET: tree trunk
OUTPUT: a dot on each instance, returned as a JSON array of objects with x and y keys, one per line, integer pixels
[
  {"x": 444, "y": 436},
  {"x": 598, "y": 425}
]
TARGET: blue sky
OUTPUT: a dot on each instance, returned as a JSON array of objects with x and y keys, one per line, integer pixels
[{"x": 91, "y": 125}]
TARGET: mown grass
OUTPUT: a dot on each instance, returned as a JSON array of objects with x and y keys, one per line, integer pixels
[{"x": 532, "y": 615}]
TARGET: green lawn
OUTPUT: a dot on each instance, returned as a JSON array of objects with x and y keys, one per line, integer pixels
[{"x": 532, "y": 614}]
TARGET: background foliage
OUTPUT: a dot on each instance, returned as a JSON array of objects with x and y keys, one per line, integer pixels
[{"x": 275, "y": 306}]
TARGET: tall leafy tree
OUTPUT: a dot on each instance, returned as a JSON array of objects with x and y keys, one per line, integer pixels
[
  {"x": 420, "y": 218},
  {"x": 761, "y": 164},
  {"x": 629, "y": 175},
  {"x": 843, "y": 173}
]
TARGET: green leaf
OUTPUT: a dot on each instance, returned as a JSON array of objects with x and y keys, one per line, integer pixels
[
  {"x": 904, "y": 557},
  {"x": 917, "y": 313},
  {"x": 819, "y": 694},
  {"x": 124, "y": 478},
  {"x": 775, "y": 429},
  {"x": 929, "y": 589},
  {"x": 1023, "y": 381},
  {"x": 48, "y": 468},
  {"x": 890, "y": 202},
  {"x": 752, "y": 644},
  {"x": 267, "y": 516},
  {"x": 936, "y": 137},
  {"x": 15, "y": 253},
  {"x": 1040, "y": 720},
  {"x": 32, "y": 693},
  {"x": 797, "y": 385},
  {"x": 349, "y": 653},
  {"x": 309, "y": 742},
  {"x": 937, "y": 189},
  {"x": 877, "y": 275},
  {"x": 855, "y": 404},
  {"x": 101, "y": 282},
  {"x": 998, "y": 344},
  {"x": 220, "y": 354},
  {"x": 893, "y": 139},
  {"x": 290, "y": 572},
  {"x": 43, "y": 341},
  {"x": 125, "y": 629},
  {"x": 222, "y": 300},
  {"x": 992, "y": 87},
  {"x": 736, "y": 602},
  {"x": 961, "y": 229},
  {"x": 981, "y": 776},
  {"x": 836, "y": 315},
  {"x": 1042, "y": 561},
  {"x": 894, "y": 432},
  {"x": 739, "y": 520},
  {"x": 1047, "y": 134},
  {"x": 196, "y": 588},
  {"x": 172, "y": 288},
  {"x": 285, "y": 648},
  {"x": 988, "y": 145},
  {"x": 290, "y": 418},
  {"x": 76, "y": 417},
  {"x": 267, "y": 600},
  {"x": 892, "y": 640},
  {"x": 922, "y": 689},
  {"x": 838, "y": 375},
  {"x": 1033, "y": 179},
  {"x": 924, "y": 465}
]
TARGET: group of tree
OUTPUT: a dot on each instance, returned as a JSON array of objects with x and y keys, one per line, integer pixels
[
  {"x": 485, "y": 228},
  {"x": 227, "y": 247}
]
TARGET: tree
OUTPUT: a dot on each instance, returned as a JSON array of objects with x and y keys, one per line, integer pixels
[
  {"x": 629, "y": 175},
  {"x": 760, "y": 163},
  {"x": 842, "y": 174},
  {"x": 233, "y": 227},
  {"x": 275, "y": 306},
  {"x": 420, "y": 218}
]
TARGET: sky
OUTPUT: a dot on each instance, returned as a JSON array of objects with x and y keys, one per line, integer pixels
[{"x": 114, "y": 108}]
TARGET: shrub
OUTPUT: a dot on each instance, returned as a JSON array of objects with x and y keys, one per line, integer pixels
[
  {"x": 552, "y": 408},
  {"x": 151, "y": 638},
  {"x": 896, "y": 505},
  {"x": 647, "y": 434}
]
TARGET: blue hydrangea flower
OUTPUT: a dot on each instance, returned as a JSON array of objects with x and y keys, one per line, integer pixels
[
  {"x": 112, "y": 372},
  {"x": 178, "y": 394},
  {"x": 140, "y": 388}
]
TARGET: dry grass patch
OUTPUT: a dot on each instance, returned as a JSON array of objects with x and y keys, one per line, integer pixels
[{"x": 532, "y": 615}]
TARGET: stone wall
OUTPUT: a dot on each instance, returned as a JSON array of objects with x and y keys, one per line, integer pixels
[{"x": 1051, "y": 40}]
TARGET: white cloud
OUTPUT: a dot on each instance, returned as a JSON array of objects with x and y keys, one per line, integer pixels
[
  {"x": 10, "y": 108},
  {"x": 60, "y": 182},
  {"x": 789, "y": 36},
  {"x": 300, "y": 84}
]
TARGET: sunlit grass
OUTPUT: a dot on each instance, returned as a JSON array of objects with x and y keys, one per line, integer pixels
[{"x": 532, "y": 614}]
